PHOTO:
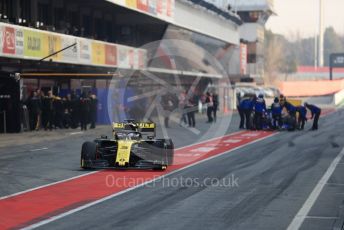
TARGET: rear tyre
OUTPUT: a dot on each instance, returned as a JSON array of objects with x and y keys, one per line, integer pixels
[
  {"x": 291, "y": 123},
  {"x": 170, "y": 151},
  {"x": 88, "y": 153},
  {"x": 166, "y": 150},
  {"x": 160, "y": 168}
]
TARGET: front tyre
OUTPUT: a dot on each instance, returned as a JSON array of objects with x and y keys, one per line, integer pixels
[{"x": 88, "y": 154}]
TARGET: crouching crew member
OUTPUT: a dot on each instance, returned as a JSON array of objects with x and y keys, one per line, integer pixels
[
  {"x": 302, "y": 117},
  {"x": 260, "y": 108},
  {"x": 276, "y": 110},
  {"x": 245, "y": 109},
  {"x": 316, "y": 111}
]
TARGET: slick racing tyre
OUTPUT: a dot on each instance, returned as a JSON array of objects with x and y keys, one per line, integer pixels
[
  {"x": 160, "y": 168},
  {"x": 168, "y": 149},
  {"x": 88, "y": 153},
  {"x": 291, "y": 123}
]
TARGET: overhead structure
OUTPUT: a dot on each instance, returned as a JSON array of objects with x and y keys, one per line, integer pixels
[
  {"x": 85, "y": 45},
  {"x": 254, "y": 14},
  {"x": 321, "y": 34}
]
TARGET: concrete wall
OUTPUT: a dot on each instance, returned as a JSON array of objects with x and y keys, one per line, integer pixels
[
  {"x": 311, "y": 88},
  {"x": 198, "y": 20},
  {"x": 338, "y": 97}
]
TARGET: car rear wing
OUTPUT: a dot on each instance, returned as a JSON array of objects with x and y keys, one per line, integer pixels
[{"x": 147, "y": 129}]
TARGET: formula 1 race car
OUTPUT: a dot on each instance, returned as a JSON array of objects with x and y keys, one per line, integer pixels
[{"x": 133, "y": 145}]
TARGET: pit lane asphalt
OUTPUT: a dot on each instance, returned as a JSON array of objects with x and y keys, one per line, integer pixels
[
  {"x": 275, "y": 177},
  {"x": 27, "y": 165}
]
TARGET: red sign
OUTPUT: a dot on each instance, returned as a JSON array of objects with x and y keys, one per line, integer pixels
[
  {"x": 243, "y": 58},
  {"x": 9, "y": 46},
  {"x": 110, "y": 55},
  {"x": 159, "y": 6},
  {"x": 169, "y": 7},
  {"x": 142, "y": 5}
]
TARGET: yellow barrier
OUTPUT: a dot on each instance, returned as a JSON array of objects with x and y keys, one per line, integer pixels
[{"x": 295, "y": 102}]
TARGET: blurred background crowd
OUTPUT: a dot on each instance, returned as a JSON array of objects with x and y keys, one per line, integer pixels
[{"x": 48, "y": 111}]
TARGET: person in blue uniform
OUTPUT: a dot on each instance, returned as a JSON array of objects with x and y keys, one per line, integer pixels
[
  {"x": 302, "y": 116},
  {"x": 259, "y": 109},
  {"x": 276, "y": 111},
  {"x": 316, "y": 111},
  {"x": 290, "y": 108},
  {"x": 245, "y": 110}
]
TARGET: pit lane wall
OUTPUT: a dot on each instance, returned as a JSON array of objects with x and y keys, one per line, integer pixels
[{"x": 33, "y": 44}]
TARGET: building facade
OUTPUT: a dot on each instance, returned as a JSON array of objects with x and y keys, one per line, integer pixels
[
  {"x": 84, "y": 45},
  {"x": 254, "y": 15}
]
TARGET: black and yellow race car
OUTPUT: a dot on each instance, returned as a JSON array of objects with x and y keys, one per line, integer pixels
[{"x": 133, "y": 145}]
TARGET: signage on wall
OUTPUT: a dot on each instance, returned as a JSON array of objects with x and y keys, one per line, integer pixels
[
  {"x": 27, "y": 43},
  {"x": 162, "y": 9},
  {"x": 243, "y": 59}
]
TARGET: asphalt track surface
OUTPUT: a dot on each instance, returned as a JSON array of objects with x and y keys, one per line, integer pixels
[{"x": 272, "y": 179}]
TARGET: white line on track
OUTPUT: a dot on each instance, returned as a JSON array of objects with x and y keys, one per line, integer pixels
[
  {"x": 70, "y": 212},
  {"x": 76, "y": 133},
  {"x": 335, "y": 184},
  {"x": 322, "y": 217},
  {"x": 306, "y": 207},
  {"x": 35, "y": 150}
]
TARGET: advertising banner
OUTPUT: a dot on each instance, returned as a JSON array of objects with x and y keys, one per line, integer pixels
[
  {"x": 159, "y": 7},
  {"x": 85, "y": 51},
  {"x": 19, "y": 42},
  {"x": 131, "y": 3},
  {"x": 163, "y": 9},
  {"x": 69, "y": 55},
  {"x": 243, "y": 58},
  {"x": 22, "y": 42},
  {"x": 9, "y": 41},
  {"x": 98, "y": 53},
  {"x": 152, "y": 7},
  {"x": 33, "y": 44},
  {"x": 52, "y": 44},
  {"x": 142, "y": 5},
  {"x": 120, "y": 2},
  {"x": 123, "y": 57},
  {"x": 170, "y": 8},
  {"x": 110, "y": 55}
]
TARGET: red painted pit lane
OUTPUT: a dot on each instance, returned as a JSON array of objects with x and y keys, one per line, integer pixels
[{"x": 37, "y": 205}]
